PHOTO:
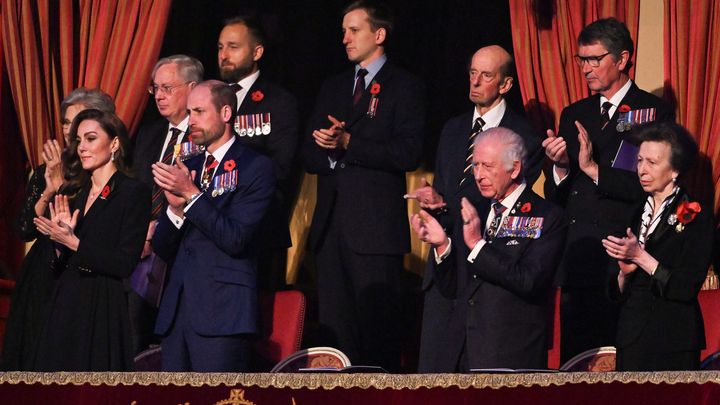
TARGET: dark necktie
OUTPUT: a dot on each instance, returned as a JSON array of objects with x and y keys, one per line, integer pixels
[
  {"x": 491, "y": 230},
  {"x": 359, "y": 86},
  {"x": 476, "y": 129},
  {"x": 605, "y": 114},
  {"x": 158, "y": 197},
  {"x": 235, "y": 87},
  {"x": 210, "y": 164}
]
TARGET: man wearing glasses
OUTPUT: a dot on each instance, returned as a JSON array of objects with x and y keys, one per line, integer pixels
[
  {"x": 172, "y": 79},
  {"x": 597, "y": 189}
]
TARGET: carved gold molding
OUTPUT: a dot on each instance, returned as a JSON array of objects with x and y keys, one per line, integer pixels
[{"x": 378, "y": 381}]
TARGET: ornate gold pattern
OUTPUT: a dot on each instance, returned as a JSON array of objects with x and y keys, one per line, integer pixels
[
  {"x": 237, "y": 397},
  {"x": 379, "y": 381}
]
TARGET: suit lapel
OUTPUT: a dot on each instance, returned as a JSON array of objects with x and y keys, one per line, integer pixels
[
  {"x": 249, "y": 106},
  {"x": 663, "y": 226},
  {"x": 107, "y": 194},
  {"x": 359, "y": 111}
]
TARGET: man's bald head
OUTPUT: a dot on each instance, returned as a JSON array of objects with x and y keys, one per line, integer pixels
[{"x": 504, "y": 59}]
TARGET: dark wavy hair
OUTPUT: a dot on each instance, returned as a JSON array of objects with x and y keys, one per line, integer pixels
[
  {"x": 75, "y": 175},
  {"x": 612, "y": 34},
  {"x": 683, "y": 148}
]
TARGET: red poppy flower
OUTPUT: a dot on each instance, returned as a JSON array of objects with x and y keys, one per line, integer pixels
[
  {"x": 687, "y": 211},
  {"x": 624, "y": 108},
  {"x": 375, "y": 89},
  {"x": 105, "y": 192},
  {"x": 229, "y": 165},
  {"x": 257, "y": 96},
  {"x": 526, "y": 208}
]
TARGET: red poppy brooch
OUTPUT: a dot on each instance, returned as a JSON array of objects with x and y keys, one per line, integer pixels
[
  {"x": 374, "y": 92},
  {"x": 105, "y": 192},
  {"x": 624, "y": 108},
  {"x": 229, "y": 165},
  {"x": 257, "y": 96},
  {"x": 526, "y": 208},
  {"x": 684, "y": 214}
]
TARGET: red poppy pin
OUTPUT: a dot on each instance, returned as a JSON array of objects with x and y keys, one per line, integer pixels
[
  {"x": 684, "y": 214},
  {"x": 526, "y": 208},
  {"x": 375, "y": 89},
  {"x": 257, "y": 96},
  {"x": 105, "y": 192},
  {"x": 624, "y": 108},
  {"x": 229, "y": 165}
]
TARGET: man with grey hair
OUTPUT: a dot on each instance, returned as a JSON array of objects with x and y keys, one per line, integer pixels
[
  {"x": 172, "y": 79},
  {"x": 498, "y": 264}
]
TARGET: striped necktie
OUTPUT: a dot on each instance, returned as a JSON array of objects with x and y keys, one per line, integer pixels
[
  {"x": 158, "y": 197},
  {"x": 492, "y": 229},
  {"x": 476, "y": 129},
  {"x": 605, "y": 114}
]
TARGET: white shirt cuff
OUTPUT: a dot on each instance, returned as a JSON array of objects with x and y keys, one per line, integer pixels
[
  {"x": 440, "y": 257},
  {"x": 176, "y": 220},
  {"x": 476, "y": 250},
  {"x": 557, "y": 178},
  {"x": 190, "y": 204},
  {"x": 332, "y": 162}
]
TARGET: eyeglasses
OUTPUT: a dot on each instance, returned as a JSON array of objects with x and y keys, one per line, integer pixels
[
  {"x": 593, "y": 61},
  {"x": 169, "y": 90}
]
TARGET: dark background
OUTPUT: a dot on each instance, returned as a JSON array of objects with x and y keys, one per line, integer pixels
[{"x": 434, "y": 40}]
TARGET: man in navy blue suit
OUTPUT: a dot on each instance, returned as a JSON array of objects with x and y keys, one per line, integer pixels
[
  {"x": 490, "y": 77},
  {"x": 509, "y": 250},
  {"x": 216, "y": 201},
  {"x": 366, "y": 133}
]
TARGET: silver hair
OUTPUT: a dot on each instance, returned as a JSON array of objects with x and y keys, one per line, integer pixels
[
  {"x": 189, "y": 68},
  {"x": 514, "y": 146},
  {"x": 89, "y": 98}
]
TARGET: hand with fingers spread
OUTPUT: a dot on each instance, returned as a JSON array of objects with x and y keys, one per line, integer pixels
[
  {"x": 426, "y": 196},
  {"x": 334, "y": 137},
  {"x": 52, "y": 155},
  {"x": 556, "y": 150},
  {"x": 472, "y": 225},
  {"x": 585, "y": 156},
  {"x": 177, "y": 182},
  {"x": 429, "y": 230},
  {"x": 61, "y": 224}
]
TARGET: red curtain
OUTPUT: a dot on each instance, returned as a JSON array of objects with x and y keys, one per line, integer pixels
[
  {"x": 544, "y": 42},
  {"x": 692, "y": 79},
  {"x": 54, "y": 46}
]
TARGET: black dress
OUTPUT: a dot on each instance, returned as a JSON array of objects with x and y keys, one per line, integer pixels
[
  {"x": 88, "y": 327},
  {"x": 34, "y": 286}
]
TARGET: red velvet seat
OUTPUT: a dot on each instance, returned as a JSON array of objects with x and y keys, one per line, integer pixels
[
  {"x": 6, "y": 290},
  {"x": 710, "y": 307},
  {"x": 282, "y": 317}
]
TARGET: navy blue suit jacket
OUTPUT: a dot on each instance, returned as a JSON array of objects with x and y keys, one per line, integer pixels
[
  {"x": 502, "y": 301},
  {"x": 367, "y": 185},
  {"x": 214, "y": 251}
]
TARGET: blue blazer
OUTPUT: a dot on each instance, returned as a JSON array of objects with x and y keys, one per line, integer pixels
[{"x": 214, "y": 252}]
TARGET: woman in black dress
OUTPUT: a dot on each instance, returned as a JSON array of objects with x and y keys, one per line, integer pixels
[
  {"x": 662, "y": 268},
  {"x": 98, "y": 240},
  {"x": 35, "y": 280}
]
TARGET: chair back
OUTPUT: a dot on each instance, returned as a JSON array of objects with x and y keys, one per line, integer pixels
[
  {"x": 597, "y": 359},
  {"x": 314, "y": 357},
  {"x": 282, "y": 318},
  {"x": 710, "y": 306},
  {"x": 6, "y": 289}
]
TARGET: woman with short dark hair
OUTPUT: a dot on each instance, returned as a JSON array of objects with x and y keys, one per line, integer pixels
[
  {"x": 98, "y": 241},
  {"x": 663, "y": 259}
]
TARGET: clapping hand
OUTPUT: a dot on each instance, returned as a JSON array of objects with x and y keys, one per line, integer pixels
[
  {"x": 60, "y": 227},
  {"x": 333, "y": 137},
  {"x": 585, "y": 156},
  {"x": 472, "y": 226},
  {"x": 426, "y": 196},
  {"x": 625, "y": 250},
  {"x": 429, "y": 230},
  {"x": 52, "y": 155}
]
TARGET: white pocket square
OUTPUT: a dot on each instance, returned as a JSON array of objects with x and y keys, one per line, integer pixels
[{"x": 512, "y": 242}]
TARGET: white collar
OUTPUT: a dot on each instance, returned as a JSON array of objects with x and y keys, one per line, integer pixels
[
  {"x": 220, "y": 152},
  {"x": 617, "y": 97},
  {"x": 509, "y": 201},
  {"x": 493, "y": 117}
]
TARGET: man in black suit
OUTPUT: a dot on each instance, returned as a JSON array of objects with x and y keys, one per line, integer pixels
[
  {"x": 172, "y": 79},
  {"x": 267, "y": 121},
  {"x": 509, "y": 251},
  {"x": 491, "y": 77},
  {"x": 598, "y": 193},
  {"x": 367, "y": 132}
]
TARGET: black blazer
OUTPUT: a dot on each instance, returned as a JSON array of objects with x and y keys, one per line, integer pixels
[
  {"x": 450, "y": 163},
  {"x": 148, "y": 144},
  {"x": 367, "y": 185},
  {"x": 280, "y": 146},
  {"x": 594, "y": 212},
  {"x": 502, "y": 305},
  {"x": 662, "y": 312}
]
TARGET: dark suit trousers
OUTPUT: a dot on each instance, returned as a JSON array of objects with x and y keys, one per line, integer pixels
[
  {"x": 185, "y": 350},
  {"x": 359, "y": 301},
  {"x": 588, "y": 319}
]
